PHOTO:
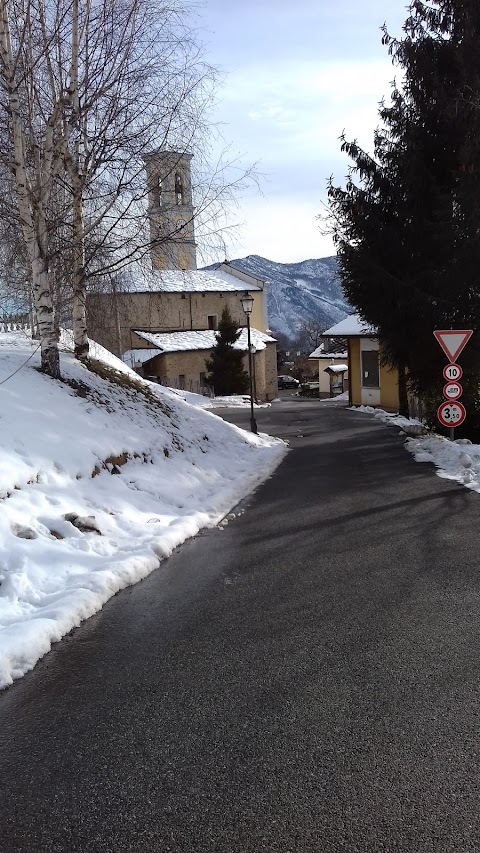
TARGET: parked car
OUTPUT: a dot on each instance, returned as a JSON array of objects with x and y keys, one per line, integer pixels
[{"x": 287, "y": 382}]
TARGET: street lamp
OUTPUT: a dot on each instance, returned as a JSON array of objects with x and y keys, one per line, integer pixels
[
  {"x": 253, "y": 350},
  {"x": 247, "y": 305}
]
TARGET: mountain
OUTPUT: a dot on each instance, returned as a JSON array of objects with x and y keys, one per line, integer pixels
[{"x": 308, "y": 290}]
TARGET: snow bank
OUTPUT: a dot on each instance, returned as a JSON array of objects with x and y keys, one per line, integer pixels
[
  {"x": 455, "y": 460},
  {"x": 98, "y": 483}
]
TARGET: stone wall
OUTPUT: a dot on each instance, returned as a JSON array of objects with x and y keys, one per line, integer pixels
[{"x": 111, "y": 317}]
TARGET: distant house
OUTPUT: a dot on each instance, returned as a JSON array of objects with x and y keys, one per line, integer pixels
[
  {"x": 177, "y": 359},
  {"x": 332, "y": 371},
  {"x": 370, "y": 382},
  {"x": 162, "y": 321}
]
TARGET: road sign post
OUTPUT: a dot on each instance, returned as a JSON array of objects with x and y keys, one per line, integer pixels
[{"x": 452, "y": 413}]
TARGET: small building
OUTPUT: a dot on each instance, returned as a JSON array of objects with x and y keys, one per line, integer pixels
[
  {"x": 177, "y": 359},
  {"x": 336, "y": 374},
  {"x": 327, "y": 386},
  {"x": 371, "y": 383}
]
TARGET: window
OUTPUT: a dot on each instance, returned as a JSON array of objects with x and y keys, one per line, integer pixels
[
  {"x": 181, "y": 381},
  {"x": 159, "y": 192},
  {"x": 212, "y": 321},
  {"x": 179, "y": 199},
  {"x": 370, "y": 370},
  {"x": 183, "y": 296}
]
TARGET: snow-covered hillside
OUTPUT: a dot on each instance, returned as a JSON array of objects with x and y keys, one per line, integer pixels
[
  {"x": 99, "y": 481},
  {"x": 297, "y": 292}
]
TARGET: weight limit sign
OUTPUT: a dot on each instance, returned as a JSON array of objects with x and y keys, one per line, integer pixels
[{"x": 451, "y": 414}]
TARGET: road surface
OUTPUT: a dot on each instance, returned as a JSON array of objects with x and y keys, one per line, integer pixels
[{"x": 305, "y": 679}]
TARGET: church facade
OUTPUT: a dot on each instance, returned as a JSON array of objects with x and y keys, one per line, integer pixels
[{"x": 162, "y": 321}]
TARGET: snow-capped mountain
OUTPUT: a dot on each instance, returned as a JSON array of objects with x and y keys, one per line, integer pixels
[{"x": 300, "y": 291}]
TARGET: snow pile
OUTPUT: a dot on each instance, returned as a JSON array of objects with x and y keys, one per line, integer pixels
[
  {"x": 236, "y": 401},
  {"x": 411, "y": 426},
  {"x": 340, "y": 398},
  {"x": 455, "y": 460},
  {"x": 98, "y": 483}
]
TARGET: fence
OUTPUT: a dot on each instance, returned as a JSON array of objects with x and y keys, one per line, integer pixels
[{"x": 14, "y": 322}]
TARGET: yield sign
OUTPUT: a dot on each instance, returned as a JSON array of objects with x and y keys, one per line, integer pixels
[{"x": 452, "y": 341}]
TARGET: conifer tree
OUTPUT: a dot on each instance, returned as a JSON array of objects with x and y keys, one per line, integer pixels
[
  {"x": 407, "y": 223},
  {"x": 225, "y": 366}
]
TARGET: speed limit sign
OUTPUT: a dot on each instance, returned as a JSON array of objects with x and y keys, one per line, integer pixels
[
  {"x": 451, "y": 414},
  {"x": 452, "y": 372}
]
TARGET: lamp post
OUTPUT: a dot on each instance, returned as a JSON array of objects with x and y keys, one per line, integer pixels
[
  {"x": 247, "y": 305},
  {"x": 253, "y": 350}
]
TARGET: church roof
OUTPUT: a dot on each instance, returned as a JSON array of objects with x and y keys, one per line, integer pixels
[
  {"x": 184, "y": 281},
  {"x": 190, "y": 341}
]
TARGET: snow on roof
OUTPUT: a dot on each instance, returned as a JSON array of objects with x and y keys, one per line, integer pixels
[
  {"x": 184, "y": 281},
  {"x": 320, "y": 353},
  {"x": 200, "y": 340},
  {"x": 352, "y": 326},
  {"x": 233, "y": 272},
  {"x": 133, "y": 356},
  {"x": 336, "y": 368}
]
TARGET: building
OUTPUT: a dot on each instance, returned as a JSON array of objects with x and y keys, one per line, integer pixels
[
  {"x": 332, "y": 371},
  {"x": 172, "y": 310},
  {"x": 370, "y": 381}
]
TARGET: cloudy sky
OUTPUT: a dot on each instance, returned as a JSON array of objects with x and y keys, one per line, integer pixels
[{"x": 297, "y": 73}]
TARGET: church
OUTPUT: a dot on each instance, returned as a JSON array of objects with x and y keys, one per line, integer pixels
[{"x": 162, "y": 321}]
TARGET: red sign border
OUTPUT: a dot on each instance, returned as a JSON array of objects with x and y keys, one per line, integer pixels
[
  {"x": 467, "y": 332},
  {"x": 452, "y": 399},
  {"x": 452, "y": 364},
  {"x": 449, "y": 403}
]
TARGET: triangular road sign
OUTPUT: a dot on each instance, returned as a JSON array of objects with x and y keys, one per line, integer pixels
[{"x": 452, "y": 341}]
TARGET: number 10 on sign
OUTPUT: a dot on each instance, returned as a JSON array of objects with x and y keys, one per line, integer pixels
[{"x": 452, "y": 372}]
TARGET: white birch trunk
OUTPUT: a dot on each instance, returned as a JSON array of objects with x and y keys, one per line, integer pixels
[
  {"x": 33, "y": 226},
  {"x": 79, "y": 281}
]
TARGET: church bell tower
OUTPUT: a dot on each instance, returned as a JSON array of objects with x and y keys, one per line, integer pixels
[{"x": 170, "y": 210}]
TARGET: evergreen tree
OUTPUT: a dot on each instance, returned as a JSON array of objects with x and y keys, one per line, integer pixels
[
  {"x": 407, "y": 224},
  {"x": 225, "y": 365}
]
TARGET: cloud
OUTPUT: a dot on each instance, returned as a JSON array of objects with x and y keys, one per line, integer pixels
[
  {"x": 287, "y": 103},
  {"x": 281, "y": 229}
]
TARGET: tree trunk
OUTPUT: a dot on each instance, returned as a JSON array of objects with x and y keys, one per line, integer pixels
[
  {"x": 42, "y": 297},
  {"x": 33, "y": 220},
  {"x": 403, "y": 393},
  {"x": 79, "y": 295}
]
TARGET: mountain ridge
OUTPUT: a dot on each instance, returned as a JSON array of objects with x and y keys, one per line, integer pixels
[{"x": 298, "y": 292}]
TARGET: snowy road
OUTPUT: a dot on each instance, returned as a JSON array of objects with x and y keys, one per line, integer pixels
[{"x": 305, "y": 679}]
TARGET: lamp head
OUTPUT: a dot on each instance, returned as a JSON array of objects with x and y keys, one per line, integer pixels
[{"x": 247, "y": 303}]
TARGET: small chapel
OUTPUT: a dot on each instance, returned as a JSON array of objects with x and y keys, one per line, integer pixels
[{"x": 162, "y": 320}]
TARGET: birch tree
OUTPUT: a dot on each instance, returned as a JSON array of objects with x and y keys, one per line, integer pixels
[
  {"x": 90, "y": 86},
  {"x": 33, "y": 156}
]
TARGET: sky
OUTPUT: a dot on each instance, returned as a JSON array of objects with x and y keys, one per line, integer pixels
[{"x": 296, "y": 74}]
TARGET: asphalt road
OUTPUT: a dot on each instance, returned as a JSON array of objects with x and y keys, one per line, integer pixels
[{"x": 306, "y": 679}]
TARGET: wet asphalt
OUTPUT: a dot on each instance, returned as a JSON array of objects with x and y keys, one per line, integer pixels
[{"x": 305, "y": 679}]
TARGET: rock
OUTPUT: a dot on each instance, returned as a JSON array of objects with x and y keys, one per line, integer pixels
[
  {"x": 84, "y": 523},
  {"x": 24, "y": 532}
]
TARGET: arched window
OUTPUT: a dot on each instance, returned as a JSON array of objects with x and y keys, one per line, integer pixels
[
  {"x": 159, "y": 192},
  {"x": 179, "y": 199}
]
